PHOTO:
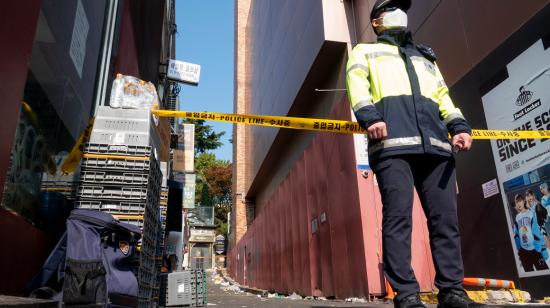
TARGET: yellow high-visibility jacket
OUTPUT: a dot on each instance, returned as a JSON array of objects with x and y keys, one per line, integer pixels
[{"x": 398, "y": 83}]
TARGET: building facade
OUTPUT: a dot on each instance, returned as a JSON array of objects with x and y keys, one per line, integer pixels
[
  {"x": 306, "y": 218},
  {"x": 59, "y": 59}
]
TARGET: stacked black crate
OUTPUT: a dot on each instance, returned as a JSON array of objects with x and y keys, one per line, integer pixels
[
  {"x": 120, "y": 174},
  {"x": 198, "y": 288},
  {"x": 163, "y": 207},
  {"x": 163, "y": 289},
  {"x": 159, "y": 255}
]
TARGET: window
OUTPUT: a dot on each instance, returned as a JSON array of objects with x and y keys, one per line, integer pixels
[{"x": 56, "y": 107}]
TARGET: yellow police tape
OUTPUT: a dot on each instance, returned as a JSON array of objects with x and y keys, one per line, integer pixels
[
  {"x": 334, "y": 126},
  {"x": 73, "y": 159}
]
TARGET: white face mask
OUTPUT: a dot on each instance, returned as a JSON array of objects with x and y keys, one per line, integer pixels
[{"x": 395, "y": 20}]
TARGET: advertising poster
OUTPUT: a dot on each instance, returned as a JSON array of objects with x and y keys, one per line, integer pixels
[
  {"x": 522, "y": 102},
  {"x": 184, "y": 154}
]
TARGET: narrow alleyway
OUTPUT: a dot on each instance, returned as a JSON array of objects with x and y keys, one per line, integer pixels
[
  {"x": 219, "y": 295},
  {"x": 230, "y": 296}
]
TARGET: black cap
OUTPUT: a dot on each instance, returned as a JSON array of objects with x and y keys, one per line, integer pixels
[{"x": 380, "y": 5}]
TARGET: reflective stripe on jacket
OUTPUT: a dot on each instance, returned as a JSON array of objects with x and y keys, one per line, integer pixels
[{"x": 394, "y": 82}]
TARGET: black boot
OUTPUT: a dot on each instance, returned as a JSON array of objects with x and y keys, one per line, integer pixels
[
  {"x": 453, "y": 298},
  {"x": 411, "y": 301}
]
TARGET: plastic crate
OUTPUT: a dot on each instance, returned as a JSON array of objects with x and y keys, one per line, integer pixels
[
  {"x": 121, "y": 161},
  {"x": 125, "y": 138},
  {"x": 176, "y": 290},
  {"x": 144, "y": 302},
  {"x": 125, "y": 124},
  {"x": 112, "y": 206},
  {"x": 113, "y": 177},
  {"x": 145, "y": 279},
  {"x": 112, "y": 192},
  {"x": 147, "y": 272},
  {"x": 102, "y": 148},
  {"x": 136, "y": 222},
  {"x": 145, "y": 297},
  {"x": 147, "y": 262},
  {"x": 151, "y": 223},
  {"x": 163, "y": 289},
  {"x": 144, "y": 224},
  {"x": 158, "y": 264},
  {"x": 148, "y": 194},
  {"x": 109, "y": 112},
  {"x": 123, "y": 164},
  {"x": 148, "y": 245}
]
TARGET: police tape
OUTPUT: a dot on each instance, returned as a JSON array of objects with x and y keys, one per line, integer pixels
[
  {"x": 72, "y": 160},
  {"x": 334, "y": 126}
]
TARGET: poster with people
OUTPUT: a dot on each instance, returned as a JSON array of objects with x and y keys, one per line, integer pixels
[{"x": 522, "y": 102}]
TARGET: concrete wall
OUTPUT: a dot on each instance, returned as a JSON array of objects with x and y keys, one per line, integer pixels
[
  {"x": 282, "y": 251},
  {"x": 281, "y": 42},
  {"x": 287, "y": 36}
]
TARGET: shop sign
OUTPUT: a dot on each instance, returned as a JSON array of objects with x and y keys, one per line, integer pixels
[
  {"x": 184, "y": 72},
  {"x": 202, "y": 235},
  {"x": 220, "y": 244}
]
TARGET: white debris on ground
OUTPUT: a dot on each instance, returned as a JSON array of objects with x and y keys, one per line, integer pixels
[
  {"x": 225, "y": 285},
  {"x": 508, "y": 297},
  {"x": 217, "y": 279},
  {"x": 294, "y": 297},
  {"x": 228, "y": 285},
  {"x": 356, "y": 300},
  {"x": 233, "y": 288}
]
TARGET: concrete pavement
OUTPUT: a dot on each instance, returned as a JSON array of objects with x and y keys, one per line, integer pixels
[
  {"x": 219, "y": 296},
  {"x": 230, "y": 299}
]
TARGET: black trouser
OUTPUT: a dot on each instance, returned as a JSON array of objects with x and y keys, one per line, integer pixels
[
  {"x": 532, "y": 259},
  {"x": 435, "y": 180}
]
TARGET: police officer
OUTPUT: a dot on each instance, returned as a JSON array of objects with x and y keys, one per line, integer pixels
[{"x": 398, "y": 94}]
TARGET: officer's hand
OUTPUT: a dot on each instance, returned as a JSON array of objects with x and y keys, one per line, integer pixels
[
  {"x": 377, "y": 131},
  {"x": 462, "y": 141}
]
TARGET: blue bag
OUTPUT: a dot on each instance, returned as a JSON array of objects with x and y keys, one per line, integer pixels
[{"x": 98, "y": 262}]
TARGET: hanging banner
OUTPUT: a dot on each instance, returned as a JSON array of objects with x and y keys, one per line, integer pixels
[
  {"x": 522, "y": 102},
  {"x": 189, "y": 191},
  {"x": 184, "y": 151}
]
